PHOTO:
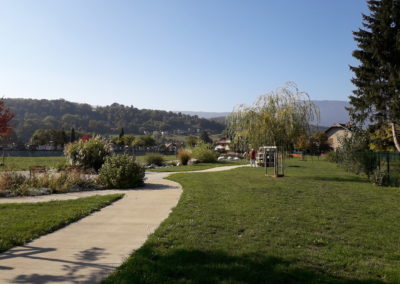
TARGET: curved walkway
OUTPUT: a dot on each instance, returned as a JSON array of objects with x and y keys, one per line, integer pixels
[{"x": 89, "y": 249}]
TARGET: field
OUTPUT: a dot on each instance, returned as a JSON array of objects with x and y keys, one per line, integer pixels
[
  {"x": 142, "y": 159},
  {"x": 318, "y": 224},
  {"x": 22, "y": 222},
  {"x": 23, "y": 163},
  {"x": 200, "y": 166}
]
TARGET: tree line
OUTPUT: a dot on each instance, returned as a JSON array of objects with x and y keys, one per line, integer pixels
[{"x": 32, "y": 114}]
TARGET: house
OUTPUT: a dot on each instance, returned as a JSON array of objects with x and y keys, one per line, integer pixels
[
  {"x": 336, "y": 132},
  {"x": 222, "y": 144},
  {"x": 171, "y": 147}
]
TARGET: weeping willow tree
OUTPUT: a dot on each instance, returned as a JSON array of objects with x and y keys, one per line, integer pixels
[{"x": 274, "y": 119}]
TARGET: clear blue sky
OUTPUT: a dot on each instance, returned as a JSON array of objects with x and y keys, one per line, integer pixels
[{"x": 207, "y": 55}]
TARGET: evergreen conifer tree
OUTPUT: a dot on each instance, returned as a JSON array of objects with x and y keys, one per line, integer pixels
[
  {"x": 205, "y": 138},
  {"x": 73, "y": 138},
  {"x": 122, "y": 133},
  {"x": 377, "y": 77}
]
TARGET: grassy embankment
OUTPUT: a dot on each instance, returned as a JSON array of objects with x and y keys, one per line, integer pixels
[
  {"x": 318, "y": 224},
  {"x": 22, "y": 222}
]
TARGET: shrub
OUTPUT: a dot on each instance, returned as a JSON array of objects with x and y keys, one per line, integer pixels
[
  {"x": 121, "y": 171},
  {"x": 61, "y": 166},
  {"x": 155, "y": 159},
  {"x": 89, "y": 154},
  {"x": 183, "y": 156},
  {"x": 11, "y": 182},
  {"x": 204, "y": 154}
]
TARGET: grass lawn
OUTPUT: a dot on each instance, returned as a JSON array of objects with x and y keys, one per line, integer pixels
[
  {"x": 318, "y": 224},
  {"x": 23, "y": 163},
  {"x": 200, "y": 166},
  {"x": 22, "y": 222},
  {"x": 167, "y": 158}
]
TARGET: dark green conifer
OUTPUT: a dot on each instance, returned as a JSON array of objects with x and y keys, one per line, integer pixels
[
  {"x": 377, "y": 77},
  {"x": 73, "y": 138}
]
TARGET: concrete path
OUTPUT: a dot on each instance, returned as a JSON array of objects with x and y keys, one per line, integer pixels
[{"x": 88, "y": 250}]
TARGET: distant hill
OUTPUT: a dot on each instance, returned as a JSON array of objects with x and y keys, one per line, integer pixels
[
  {"x": 34, "y": 114},
  {"x": 331, "y": 112}
]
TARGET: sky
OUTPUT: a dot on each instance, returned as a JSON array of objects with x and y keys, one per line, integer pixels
[{"x": 204, "y": 55}]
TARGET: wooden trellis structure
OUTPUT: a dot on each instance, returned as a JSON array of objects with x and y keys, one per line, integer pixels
[{"x": 271, "y": 157}]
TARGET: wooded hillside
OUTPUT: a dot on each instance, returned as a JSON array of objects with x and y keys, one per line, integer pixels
[{"x": 34, "y": 114}]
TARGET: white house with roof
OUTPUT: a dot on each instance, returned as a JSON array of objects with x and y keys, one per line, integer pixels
[{"x": 335, "y": 134}]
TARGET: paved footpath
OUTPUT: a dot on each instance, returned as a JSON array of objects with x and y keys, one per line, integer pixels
[{"x": 88, "y": 250}]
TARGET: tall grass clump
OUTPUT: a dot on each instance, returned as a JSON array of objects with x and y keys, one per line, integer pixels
[
  {"x": 184, "y": 156},
  {"x": 14, "y": 184},
  {"x": 11, "y": 183}
]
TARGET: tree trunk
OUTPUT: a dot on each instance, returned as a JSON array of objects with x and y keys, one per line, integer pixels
[{"x": 395, "y": 138}]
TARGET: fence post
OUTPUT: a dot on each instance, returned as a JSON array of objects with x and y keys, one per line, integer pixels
[{"x": 388, "y": 166}]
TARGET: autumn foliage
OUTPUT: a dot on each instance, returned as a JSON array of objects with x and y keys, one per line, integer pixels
[{"x": 6, "y": 115}]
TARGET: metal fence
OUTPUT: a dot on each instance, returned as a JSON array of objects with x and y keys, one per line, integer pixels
[{"x": 383, "y": 168}]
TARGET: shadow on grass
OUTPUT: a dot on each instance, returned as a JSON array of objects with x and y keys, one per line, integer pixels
[
  {"x": 337, "y": 179},
  {"x": 194, "y": 266}
]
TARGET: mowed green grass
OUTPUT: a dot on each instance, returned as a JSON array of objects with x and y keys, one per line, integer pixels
[
  {"x": 200, "y": 166},
  {"x": 318, "y": 224},
  {"x": 167, "y": 158},
  {"x": 22, "y": 222},
  {"x": 23, "y": 163}
]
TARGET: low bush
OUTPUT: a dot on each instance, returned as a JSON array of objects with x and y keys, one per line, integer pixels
[
  {"x": 89, "y": 154},
  {"x": 184, "y": 156},
  {"x": 14, "y": 184},
  {"x": 204, "y": 154},
  {"x": 155, "y": 159},
  {"x": 121, "y": 171}
]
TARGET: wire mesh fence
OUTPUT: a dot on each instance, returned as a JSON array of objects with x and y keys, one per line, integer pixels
[{"x": 382, "y": 168}]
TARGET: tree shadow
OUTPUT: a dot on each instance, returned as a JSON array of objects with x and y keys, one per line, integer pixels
[
  {"x": 73, "y": 270},
  {"x": 195, "y": 266}
]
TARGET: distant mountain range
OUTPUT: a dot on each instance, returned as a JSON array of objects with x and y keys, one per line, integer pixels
[{"x": 331, "y": 112}]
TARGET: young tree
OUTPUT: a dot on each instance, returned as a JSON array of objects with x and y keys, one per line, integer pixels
[
  {"x": 320, "y": 140},
  {"x": 73, "y": 137},
  {"x": 275, "y": 119},
  {"x": 6, "y": 115},
  {"x": 191, "y": 141},
  {"x": 377, "y": 78},
  {"x": 303, "y": 143},
  {"x": 205, "y": 137}
]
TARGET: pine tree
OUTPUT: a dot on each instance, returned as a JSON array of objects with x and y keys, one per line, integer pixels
[
  {"x": 377, "y": 78},
  {"x": 122, "y": 133},
  {"x": 73, "y": 138},
  {"x": 205, "y": 138}
]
